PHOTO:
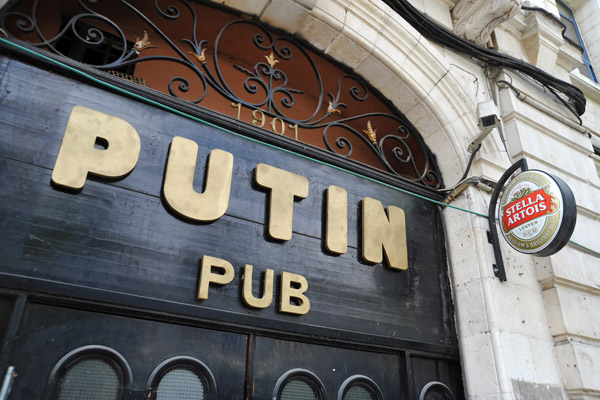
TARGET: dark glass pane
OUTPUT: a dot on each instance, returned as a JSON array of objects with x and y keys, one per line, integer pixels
[
  {"x": 180, "y": 384},
  {"x": 90, "y": 379},
  {"x": 585, "y": 71},
  {"x": 358, "y": 393},
  {"x": 436, "y": 394},
  {"x": 298, "y": 390}
]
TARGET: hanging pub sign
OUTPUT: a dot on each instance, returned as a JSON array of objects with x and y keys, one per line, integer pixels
[{"x": 537, "y": 213}]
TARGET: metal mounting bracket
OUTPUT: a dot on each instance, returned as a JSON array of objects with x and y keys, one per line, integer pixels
[{"x": 498, "y": 267}]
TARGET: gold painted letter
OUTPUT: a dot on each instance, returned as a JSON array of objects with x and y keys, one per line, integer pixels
[
  {"x": 384, "y": 233},
  {"x": 288, "y": 292},
  {"x": 207, "y": 276},
  {"x": 267, "y": 298},
  {"x": 78, "y": 155},
  {"x": 336, "y": 226},
  {"x": 179, "y": 182},
  {"x": 284, "y": 186}
]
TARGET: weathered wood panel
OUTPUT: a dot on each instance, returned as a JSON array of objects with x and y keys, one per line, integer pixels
[
  {"x": 331, "y": 365},
  {"x": 48, "y": 333}
]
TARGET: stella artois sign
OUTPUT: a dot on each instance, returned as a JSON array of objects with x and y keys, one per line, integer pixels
[{"x": 537, "y": 213}]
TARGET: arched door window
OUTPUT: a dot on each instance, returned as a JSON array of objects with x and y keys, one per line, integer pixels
[
  {"x": 359, "y": 387},
  {"x": 91, "y": 372},
  {"x": 436, "y": 391},
  {"x": 182, "y": 378},
  {"x": 299, "y": 384}
]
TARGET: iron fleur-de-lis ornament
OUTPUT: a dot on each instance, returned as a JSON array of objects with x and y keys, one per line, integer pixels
[
  {"x": 271, "y": 60},
  {"x": 143, "y": 44},
  {"x": 200, "y": 57},
  {"x": 331, "y": 109},
  {"x": 371, "y": 133}
]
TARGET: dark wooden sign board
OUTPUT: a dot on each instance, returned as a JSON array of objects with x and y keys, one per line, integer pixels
[{"x": 117, "y": 243}]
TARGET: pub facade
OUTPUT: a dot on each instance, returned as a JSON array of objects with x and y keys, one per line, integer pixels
[{"x": 287, "y": 200}]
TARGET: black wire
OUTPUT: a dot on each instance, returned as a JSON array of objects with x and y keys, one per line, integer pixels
[
  {"x": 469, "y": 163},
  {"x": 548, "y": 14},
  {"x": 439, "y": 34},
  {"x": 464, "y": 177}
]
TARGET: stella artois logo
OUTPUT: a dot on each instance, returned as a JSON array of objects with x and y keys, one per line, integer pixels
[{"x": 531, "y": 211}]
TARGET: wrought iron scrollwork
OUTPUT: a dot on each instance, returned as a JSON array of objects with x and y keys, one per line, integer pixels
[{"x": 266, "y": 86}]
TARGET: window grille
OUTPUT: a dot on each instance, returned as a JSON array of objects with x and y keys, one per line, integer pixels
[
  {"x": 181, "y": 378},
  {"x": 358, "y": 393},
  {"x": 436, "y": 391},
  {"x": 180, "y": 384},
  {"x": 299, "y": 384},
  {"x": 298, "y": 390},
  {"x": 91, "y": 379},
  {"x": 90, "y": 372},
  {"x": 359, "y": 387}
]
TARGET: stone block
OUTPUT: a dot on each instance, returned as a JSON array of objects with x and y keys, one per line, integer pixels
[
  {"x": 452, "y": 170},
  {"x": 520, "y": 267},
  {"x": 520, "y": 309},
  {"x": 580, "y": 312},
  {"x": 320, "y": 34},
  {"x": 554, "y": 312},
  {"x": 478, "y": 365},
  {"x": 579, "y": 365},
  {"x": 335, "y": 9},
  {"x": 450, "y": 94},
  {"x": 472, "y": 315},
  {"x": 465, "y": 269},
  {"x": 438, "y": 10},
  {"x": 518, "y": 356},
  {"x": 248, "y": 7},
  {"x": 346, "y": 50},
  {"x": 544, "y": 361},
  {"x": 366, "y": 19},
  {"x": 573, "y": 265},
  {"x": 374, "y": 72},
  {"x": 423, "y": 119},
  {"x": 423, "y": 66},
  {"x": 418, "y": 4},
  {"x": 309, "y": 4},
  {"x": 524, "y": 390},
  {"x": 400, "y": 94},
  {"x": 284, "y": 14}
]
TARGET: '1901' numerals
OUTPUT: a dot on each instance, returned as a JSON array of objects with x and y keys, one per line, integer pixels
[{"x": 259, "y": 119}]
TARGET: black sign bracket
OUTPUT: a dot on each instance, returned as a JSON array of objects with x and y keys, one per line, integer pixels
[{"x": 498, "y": 267}]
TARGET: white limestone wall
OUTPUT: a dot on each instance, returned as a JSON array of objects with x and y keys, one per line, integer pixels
[
  {"x": 569, "y": 280},
  {"x": 536, "y": 336}
]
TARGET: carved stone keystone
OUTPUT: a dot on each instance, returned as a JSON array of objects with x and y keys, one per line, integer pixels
[{"x": 475, "y": 20}]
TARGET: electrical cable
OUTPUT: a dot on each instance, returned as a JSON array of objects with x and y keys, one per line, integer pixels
[
  {"x": 193, "y": 118},
  {"x": 464, "y": 177},
  {"x": 492, "y": 81},
  {"x": 439, "y": 34},
  {"x": 553, "y": 17},
  {"x": 470, "y": 162}
]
